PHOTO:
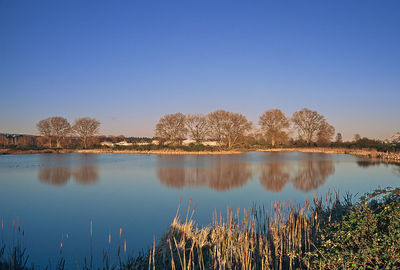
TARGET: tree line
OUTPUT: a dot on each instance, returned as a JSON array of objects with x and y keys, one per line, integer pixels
[
  {"x": 58, "y": 127},
  {"x": 220, "y": 128},
  {"x": 229, "y": 129}
]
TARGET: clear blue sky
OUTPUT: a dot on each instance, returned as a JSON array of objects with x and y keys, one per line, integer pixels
[{"x": 127, "y": 63}]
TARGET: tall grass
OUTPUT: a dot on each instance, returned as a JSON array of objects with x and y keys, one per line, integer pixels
[{"x": 277, "y": 238}]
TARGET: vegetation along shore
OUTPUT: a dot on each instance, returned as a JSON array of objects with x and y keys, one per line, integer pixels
[
  {"x": 365, "y": 153},
  {"x": 372, "y": 154},
  {"x": 219, "y": 132}
]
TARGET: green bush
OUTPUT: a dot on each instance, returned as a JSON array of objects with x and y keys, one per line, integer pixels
[{"x": 367, "y": 238}]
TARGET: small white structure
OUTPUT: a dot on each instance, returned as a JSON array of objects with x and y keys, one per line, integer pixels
[
  {"x": 156, "y": 142},
  {"x": 188, "y": 141},
  {"x": 206, "y": 143},
  {"x": 107, "y": 144},
  {"x": 124, "y": 143},
  {"x": 143, "y": 143}
]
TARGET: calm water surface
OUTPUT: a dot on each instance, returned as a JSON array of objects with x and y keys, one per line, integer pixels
[{"x": 55, "y": 196}]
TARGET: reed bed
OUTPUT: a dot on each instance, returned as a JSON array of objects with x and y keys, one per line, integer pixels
[{"x": 278, "y": 238}]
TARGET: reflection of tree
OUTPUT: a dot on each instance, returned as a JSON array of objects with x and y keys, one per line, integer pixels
[
  {"x": 364, "y": 163},
  {"x": 87, "y": 172},
  {"x": 54, "y": 176},
  {"x": 57, "y": 169},
  {"x": 225, "y": 176},
  {"x": 172, "y": 176},
  {"x": 309, "y": 174},
  {"x": 312, "y": 174},
  {"x": 86, "y": 175},
  {"x": 274, "y": 176},
  {"x": 221, "y": 175}
]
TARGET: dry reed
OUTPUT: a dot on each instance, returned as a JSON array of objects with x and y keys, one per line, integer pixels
[{"x": 279, "y": 238}]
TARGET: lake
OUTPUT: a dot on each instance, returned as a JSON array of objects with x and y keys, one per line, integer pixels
[{"x": 56, "y": 196}]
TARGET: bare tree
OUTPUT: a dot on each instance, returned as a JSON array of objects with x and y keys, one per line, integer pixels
[
  {"x": 228, "y": 127},
  {"x": 44, "y": 128},
  {"x": 54, "y": 126},
  {"x": 197, "y": 126},
  {"x": 273, "y": 125},
  {"x": 325, "y": 133},
  {"x": 85, "y": 128},
  {"x": 215, "y": 123},
  {"x": 60, "y": 128},
  {"x": 171, "y": 128},
  {"x": 307, "y": 123},
  {"x": 357, "y": 137},
  {"x": 3, "y": 140}
]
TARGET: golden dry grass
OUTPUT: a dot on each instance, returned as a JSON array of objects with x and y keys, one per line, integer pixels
[{"x": 257, "y": 239}]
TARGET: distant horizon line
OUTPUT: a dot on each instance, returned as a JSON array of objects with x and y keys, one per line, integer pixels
[{"x": 152, "y": 137}]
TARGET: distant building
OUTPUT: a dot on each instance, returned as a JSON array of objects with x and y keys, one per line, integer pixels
[
  {"x": 156, "y": 142},
  {"x": 107, "y": 144},
  {"x": 206, "y": 143},
  {"x": 124, "y": 143},
  {"x": 143, "y": 143}
]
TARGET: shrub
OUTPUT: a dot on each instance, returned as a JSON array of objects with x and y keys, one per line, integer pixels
[{"x": 366, "y": 238}]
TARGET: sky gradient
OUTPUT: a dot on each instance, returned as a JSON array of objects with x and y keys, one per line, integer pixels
[{"x": 127, "y": 63}]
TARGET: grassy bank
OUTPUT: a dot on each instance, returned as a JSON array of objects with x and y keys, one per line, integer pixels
[
  {"x": 390, "y": 157},
  {"x": 324, "y": 233},
  {"x": 160, "y": 152},
  {"x": 111, "y": 151}
]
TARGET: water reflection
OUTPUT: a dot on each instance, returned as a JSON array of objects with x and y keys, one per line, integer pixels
[
  {"x": 54, "y": 176},
  {"x": 304, "y": 172},
  {"x": 217, "y": 172},
  {"x": 305, "y": 175},
  {"x": 365, "y": 163},
  {"x": 58, "y": 169},
  {"x": 274, "y": 175},
  {"x": 312, "y": 174},
  {"x": 222, "y": 173}
]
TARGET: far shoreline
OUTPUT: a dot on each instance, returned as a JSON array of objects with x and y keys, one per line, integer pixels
[
  {"x": 372, "y": 154},
  {"x": 363, "y": 153},
  {"x": 111, "y": 151}
]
